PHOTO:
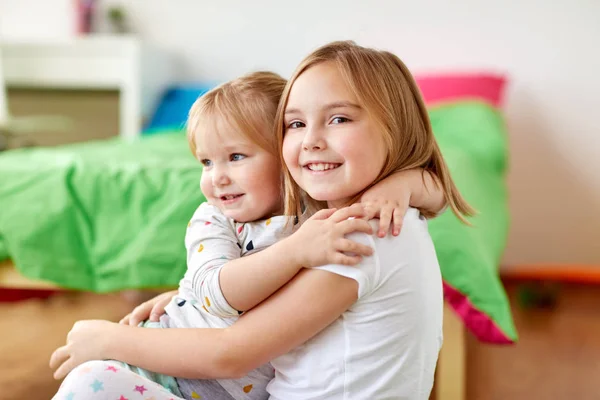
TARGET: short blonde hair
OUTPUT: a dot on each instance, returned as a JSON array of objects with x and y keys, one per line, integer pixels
[
  {"x": 386, "y": 89},
  {"x": 248, "y": 103}
]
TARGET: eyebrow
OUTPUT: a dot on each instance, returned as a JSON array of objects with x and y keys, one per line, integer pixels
[
  {"x": 236, "y": 147},
  {"x": 327, "y": 107}
]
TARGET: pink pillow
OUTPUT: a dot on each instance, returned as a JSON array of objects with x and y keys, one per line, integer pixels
[{"x": 451, "y": 87}]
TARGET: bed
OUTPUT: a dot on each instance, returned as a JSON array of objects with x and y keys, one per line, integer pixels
[{"x": 111, "y": 215}]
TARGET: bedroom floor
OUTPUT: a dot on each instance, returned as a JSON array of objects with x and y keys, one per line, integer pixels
[{"x": 558, "y": 356}]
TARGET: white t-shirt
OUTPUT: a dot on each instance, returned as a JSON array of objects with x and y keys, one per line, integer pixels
[{"x": 386, "y": 345}]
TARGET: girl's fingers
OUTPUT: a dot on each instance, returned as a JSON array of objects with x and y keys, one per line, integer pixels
[
  {"x": 355, "y": 225},
  {"x": 398, "y": 219},
  {"x": 385, "y": 219},
  {"x": 159, "y": 309},
  {"x": 371, "y": 211},
  {"x": 58, "y": 357},
  {"x": 323, "y": 214},
  {"x": 355, "y": 210},
  {"x": 125, "y": 319},
  {"x": 344, "y": 259},
  {"x": 64, "y": 369},
  {"x": 350, "y": 246},
  {"x": 140, "y": 313}
]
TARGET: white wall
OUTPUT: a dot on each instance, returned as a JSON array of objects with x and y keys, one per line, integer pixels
[{"x": 550, "y": 51}]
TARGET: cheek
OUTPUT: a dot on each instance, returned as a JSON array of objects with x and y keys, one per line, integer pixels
[
  {"x": 290, "y": 151},
  {"x": 265, "y": 178},
  {"x": 206, "y": 184},
  {"x": 381, "y": 154},
  {"x": 368, "y": 152}
]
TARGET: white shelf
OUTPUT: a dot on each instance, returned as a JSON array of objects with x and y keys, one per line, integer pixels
[{"x": 88, "y": 63}]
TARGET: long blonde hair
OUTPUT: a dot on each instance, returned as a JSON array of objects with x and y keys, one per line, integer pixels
[
  {"x": 248, "y": 103},
  {"x": 386, "y": 89}
]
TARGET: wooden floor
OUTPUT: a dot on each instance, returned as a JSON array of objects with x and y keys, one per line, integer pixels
[
  {"x": 558, "y": 356},
  {"x": 31, "y": 330}
]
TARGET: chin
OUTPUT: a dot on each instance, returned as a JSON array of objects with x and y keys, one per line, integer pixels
[
  {"x": 233, "y": 215},
  {"x": 324, "y": 195},
  {"x": 245, "y": 215}
]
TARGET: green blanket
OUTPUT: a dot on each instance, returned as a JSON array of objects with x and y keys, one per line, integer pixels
[
  {"x": 473, "y": 140},
  {"x": 3, "y": 250},
  {"x": 112, "y": 215},
  {"x": 101, "y": 216}
]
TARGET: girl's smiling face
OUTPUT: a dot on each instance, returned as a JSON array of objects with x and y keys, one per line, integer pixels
[
  {"x": 331, "y": 145},
  {"x": 239, "y": 177}
]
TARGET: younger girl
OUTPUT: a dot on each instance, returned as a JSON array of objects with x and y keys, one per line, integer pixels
[{"x": 230, "y": 133}]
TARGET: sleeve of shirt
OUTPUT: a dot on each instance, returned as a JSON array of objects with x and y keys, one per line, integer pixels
[
  {"x": 210, "y": 242},
  {"x": 365, "y": 273}
]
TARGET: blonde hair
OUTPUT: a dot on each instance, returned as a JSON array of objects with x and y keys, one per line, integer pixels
[
  {"x": 386, "y": 89},
  {"x": 248, "y": 103}
]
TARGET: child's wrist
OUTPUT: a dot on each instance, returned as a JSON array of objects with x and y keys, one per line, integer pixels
[
  {"x": 415, "y": 190},
  {"x": 113, "y": 336},
  {"x": 291, "y": 256}
]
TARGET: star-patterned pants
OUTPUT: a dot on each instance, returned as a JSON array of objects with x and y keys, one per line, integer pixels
[
  {"x": 99, "y": 380},
  {"x": 113, "y": 380}
]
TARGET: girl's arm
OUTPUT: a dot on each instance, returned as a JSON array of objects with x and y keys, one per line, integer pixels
[
  {"x": 284, "y": 321},
  {"x": 390, "y": 198},
  {"x": 225, "y": 283},
  {"x": 210, "y": 242},
  {"x": 249, "y": 280}
]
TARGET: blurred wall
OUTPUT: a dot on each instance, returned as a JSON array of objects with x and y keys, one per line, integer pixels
[{"x": 549, "y": 51}]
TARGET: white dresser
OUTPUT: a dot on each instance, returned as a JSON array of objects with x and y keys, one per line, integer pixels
[{"x": 122, "y": 63}]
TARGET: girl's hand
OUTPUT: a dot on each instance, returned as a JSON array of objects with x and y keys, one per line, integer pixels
[
  {"x": 321, "y": 239},
  {"x": 389, "y": 213},
  {"x": 87, "y": 340},
  {"x": 389, "y": 199},
  {"x": 151, "y": 309}
]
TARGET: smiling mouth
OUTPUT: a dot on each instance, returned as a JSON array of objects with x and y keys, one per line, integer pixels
[
  {"x": 230, "y": 197},
  {"x": 319, "y": 167}
]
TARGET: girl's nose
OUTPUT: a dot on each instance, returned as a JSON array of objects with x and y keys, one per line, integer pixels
[
  {"x": 313, "y": 140},
  {"x": 220, "y": 177}
]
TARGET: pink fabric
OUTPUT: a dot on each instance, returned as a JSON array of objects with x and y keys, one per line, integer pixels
[
  {"x": 482, "y": 326},
  {"x": 452, "y": 87}
]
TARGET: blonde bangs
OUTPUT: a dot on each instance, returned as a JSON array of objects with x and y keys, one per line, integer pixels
[{"x": 247, "y": 104}]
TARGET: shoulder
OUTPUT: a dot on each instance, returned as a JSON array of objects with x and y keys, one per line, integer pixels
[
  {"x": 209, "y": 221},
  {"x": 388, "y": 252},
  {"x": 208, "y": 214},
  {"x": 414, "y": 226},
  {"x": 208, "y": 210},
  {"x": 411, "y": 246},
  {"x": 276, "y": 225}
]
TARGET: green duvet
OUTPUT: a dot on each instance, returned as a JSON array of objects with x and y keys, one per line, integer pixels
[
  {"x": 101, "y": 216},
  {"x": 112, "y": 215}
]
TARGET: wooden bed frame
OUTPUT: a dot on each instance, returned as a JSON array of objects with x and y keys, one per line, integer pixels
[{"x": 450, "y": 381}]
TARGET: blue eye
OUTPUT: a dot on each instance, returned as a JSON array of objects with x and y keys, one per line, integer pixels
[
  {"x": 296, "y": 125},
  {"x": 339, "y": 120},
  {"x": 206, "y": 162},
  {"x": 237, "y": 157}
]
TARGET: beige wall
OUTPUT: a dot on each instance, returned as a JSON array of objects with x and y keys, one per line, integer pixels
[{"x": 548, "y": 50}]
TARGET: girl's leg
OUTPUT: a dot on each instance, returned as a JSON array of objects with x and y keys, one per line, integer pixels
[{"x": 108, "y": 380}]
